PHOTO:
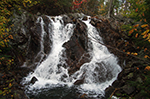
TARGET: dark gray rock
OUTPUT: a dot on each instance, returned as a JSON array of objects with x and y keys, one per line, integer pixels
[
  {"x": 116, "y": 83},
  {"x": 79, "y": 82},
  {"x": 76, "y": 47},
  {"x": 108, "y": 91},
  {"x": 66, "y": 19},
  {"x": 128, "y": 89},
  {"x": 33, "y": 80},
  {"x": 19, "y": 94}
]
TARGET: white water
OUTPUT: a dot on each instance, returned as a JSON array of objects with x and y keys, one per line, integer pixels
[{"x": 98, "y": 74}]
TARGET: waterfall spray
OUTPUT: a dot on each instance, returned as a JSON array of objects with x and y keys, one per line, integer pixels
[{"x": 95, "y": 75}]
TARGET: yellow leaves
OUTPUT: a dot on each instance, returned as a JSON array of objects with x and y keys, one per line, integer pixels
[
  {"x": 148, "y": 36},
  {"x": 19, "y": 8},
  {"x": 129, "y": 53},
  {"x": 135, "y": 54},
  {"x": 2, "y": 58},
  {"x": 144, "y": 25},
  {"x": 145, "y": 32},
  {"x": 144, "y": 36},
  {"x": 2, "y": 44},
  {"x": 26, "y": 1},
  {"x": 24, "y": 4}
]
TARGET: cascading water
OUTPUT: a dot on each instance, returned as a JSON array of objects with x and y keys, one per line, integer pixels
[{"x": 97, "y": 74}]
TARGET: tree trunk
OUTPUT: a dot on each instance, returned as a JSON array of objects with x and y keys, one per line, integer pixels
[
  {"x": 110, "y": 8},
  {"x": 126, "y": 6}
]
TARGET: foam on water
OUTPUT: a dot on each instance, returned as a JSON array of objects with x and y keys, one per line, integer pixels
[{"x": 97, "y": 74}]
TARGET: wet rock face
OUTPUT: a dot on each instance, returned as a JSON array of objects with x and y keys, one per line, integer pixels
[
  {"x": 76, "y": 47},
  {"x": 76, "y": 52},
  {"x": 34, "y": 45},
  {"x": 47, "y": 35}
]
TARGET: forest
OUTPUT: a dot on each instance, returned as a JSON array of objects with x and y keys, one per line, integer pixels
[{"x": 134, "y": 13}]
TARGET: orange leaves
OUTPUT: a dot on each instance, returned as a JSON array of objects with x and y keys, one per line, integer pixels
[
  {"x": 126, "y": 44},
  {"x": 143, "y": 14},
  {"x": 10, "y": 85},
  {"x": 137, "y": 68},
  {"x": 136, "y": 10},
  {"x": 135, "y": 26},
  {"x": 10, "y": 36},
  {"x": 129, "y": 53},
  {"x": 134, "y": 29},
  {"x": 145, "y": 49},
  {"x": 136, "y": 35},
  {"x": 146, "y": 56},
  {"x": 146, "y": 33},
  {"x": 147, "y": 68},
  {"x": 145, "y": 20},
  {"x": 131, "y": 31}
]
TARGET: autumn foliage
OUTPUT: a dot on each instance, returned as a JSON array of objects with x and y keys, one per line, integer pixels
[
  {"x": 140, "y": 31},
  {"x": 77, "y": 4},
  {"x": 7, "y": 57}
]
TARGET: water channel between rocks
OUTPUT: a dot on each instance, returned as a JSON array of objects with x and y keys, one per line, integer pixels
[{"x": 56, "y": 78}]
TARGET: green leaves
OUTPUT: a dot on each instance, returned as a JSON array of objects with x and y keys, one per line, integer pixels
[{"x": 1, "y": 92}]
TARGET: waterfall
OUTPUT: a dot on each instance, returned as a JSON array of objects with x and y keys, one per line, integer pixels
[{"x": 97, "y": 74}]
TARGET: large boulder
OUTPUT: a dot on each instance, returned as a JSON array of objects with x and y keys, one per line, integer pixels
[{"x": 76, "y": 47}]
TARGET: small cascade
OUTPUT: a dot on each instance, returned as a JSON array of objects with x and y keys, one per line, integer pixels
[
  {"x": 93, "y": 77},
  {"x": 41, "y": 52}
]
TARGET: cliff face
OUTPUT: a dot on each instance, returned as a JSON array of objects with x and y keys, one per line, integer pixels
[{"x": 28, "y": 38}]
